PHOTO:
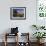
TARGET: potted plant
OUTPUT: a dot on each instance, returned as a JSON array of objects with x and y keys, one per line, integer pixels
[
  {"x": 42, "y": 27},
  {"x": 35, "y": 26},
  {"x": 39, "y": 35},
  {"x": 38, "y": 27}
]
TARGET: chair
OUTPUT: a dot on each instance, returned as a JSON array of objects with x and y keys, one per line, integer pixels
[
  {"x": 7, "y": 35},
  {"x": 14, "y": 32}
]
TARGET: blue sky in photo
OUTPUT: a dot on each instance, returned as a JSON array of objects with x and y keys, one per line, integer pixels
[{"x": 21, "y": 11}]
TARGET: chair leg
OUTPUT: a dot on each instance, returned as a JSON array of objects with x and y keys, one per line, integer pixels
[
  {"x": 5, "y": 43},
  {"x": 5, "y": 40}
]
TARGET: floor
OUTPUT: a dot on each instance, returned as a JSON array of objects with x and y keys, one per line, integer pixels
[{"x": 13, "y": 44}]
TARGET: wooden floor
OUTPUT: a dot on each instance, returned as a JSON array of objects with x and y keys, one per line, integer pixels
[{"x": 13, "y": 44}]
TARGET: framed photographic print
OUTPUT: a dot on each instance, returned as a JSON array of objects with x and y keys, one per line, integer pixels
[{"x": 17, "y": 13}]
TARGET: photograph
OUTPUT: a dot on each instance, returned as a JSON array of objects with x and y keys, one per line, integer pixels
[{"x": 18, "y": 13}]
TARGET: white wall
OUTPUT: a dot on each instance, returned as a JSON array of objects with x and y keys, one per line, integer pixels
[{"x": 24, "y": 25}]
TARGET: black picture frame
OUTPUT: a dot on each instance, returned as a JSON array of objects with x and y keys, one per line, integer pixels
[{"x": 18, "y": 13}]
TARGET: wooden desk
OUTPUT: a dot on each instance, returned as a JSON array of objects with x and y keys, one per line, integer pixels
[
  {"x": 8, "y": 34},
  {"x": 17, "y": 43}
]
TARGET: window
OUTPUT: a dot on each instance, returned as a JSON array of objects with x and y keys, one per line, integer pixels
[{"x": 41, "y": 8}]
